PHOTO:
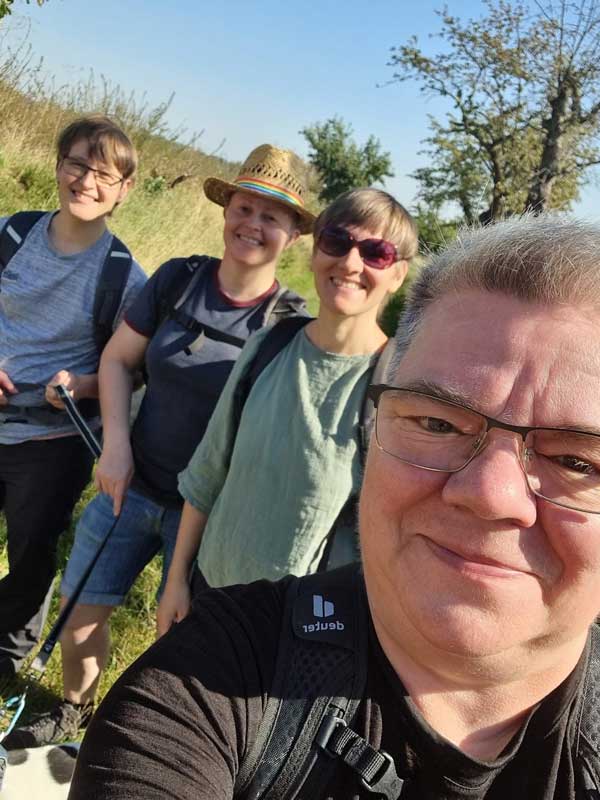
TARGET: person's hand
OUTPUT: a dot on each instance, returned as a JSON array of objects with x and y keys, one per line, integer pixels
[
  {"x": 114, "y": 473},
  {"x": 174, "y": 605},
  {"x": 69, "y": 380},
  {"x": 7, "y": 388}
]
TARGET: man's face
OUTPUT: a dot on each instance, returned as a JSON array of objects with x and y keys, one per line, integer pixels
[{"x": 472, "y": 563}]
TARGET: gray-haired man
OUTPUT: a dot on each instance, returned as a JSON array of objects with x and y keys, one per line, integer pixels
[{"x": 480, "y": 532}]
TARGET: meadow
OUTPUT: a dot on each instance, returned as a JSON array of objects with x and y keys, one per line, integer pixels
[{"x": 165, "y": 215}]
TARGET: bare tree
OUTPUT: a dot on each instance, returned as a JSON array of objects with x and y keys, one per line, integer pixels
[{"x": 525, "y": 97}]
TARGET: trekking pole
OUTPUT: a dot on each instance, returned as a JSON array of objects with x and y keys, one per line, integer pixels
[
  {"x": 39, "y": 662},
  {"x": 11, "y": 709},
  {"x": 79, "y": 422}
]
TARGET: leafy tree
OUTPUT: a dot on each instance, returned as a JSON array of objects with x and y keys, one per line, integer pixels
[
  {"x": 340, "y": 162},
  {"x": 434, "y": 232},
  {"x": 524, "y": 88},
  {"x": 6, "y": 6}
]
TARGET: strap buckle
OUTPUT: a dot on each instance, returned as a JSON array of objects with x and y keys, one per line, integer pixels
[
  {"x": 386, "y": 781},
  {"x": 326, "y": 728}
]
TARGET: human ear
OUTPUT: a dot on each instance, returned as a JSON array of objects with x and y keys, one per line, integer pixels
[
  {"x": 126, "y": 185},
  {"x": 293, "y": 237},
  {"x": 401, "y": 270}
]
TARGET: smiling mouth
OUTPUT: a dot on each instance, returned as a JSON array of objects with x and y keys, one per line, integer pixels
[
  {"x": 82, "y": 196},
  {"x": 474, "y": 564},
  {"x": 340, "y": 283},
  {"x": 249, "y": 240}
]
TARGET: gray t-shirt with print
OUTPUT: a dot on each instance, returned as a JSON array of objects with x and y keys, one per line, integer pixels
[{"x": 46, "y": 317}]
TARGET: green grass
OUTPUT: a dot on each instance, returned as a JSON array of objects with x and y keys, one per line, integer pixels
[{"x": 133, "y": 625}]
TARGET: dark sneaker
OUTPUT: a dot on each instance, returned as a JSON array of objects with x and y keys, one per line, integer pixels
[{"x": 63, "y": 722}]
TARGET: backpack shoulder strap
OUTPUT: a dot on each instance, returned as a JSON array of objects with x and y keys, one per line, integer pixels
[
  {"x": 15, "y": 232},
  {"x": 346, "y": 519},
  {"x": 275, "y": 340},
  {"x": 109, "y": 291},
  {"x": 321, "y": 670},
  {"x": 367, "y": 412},
  {"x": 587, "y": 742},
  {"x": 282, "y": 304},
  {"x": 180, "y": 285}
]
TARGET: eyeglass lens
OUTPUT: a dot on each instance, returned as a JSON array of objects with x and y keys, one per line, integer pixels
[
  {"x": 77, "y": 169},
  {"x": 561, "y": 466},
  {"x": 337, "y": 242}
]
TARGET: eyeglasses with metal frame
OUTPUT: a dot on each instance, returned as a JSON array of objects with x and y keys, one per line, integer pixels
[
  {"x": 77, "y": 169},
  {"x": 561, "y": 465}
]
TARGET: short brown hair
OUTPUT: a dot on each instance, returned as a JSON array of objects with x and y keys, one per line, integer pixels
[
  {"x": 107, "y": 142},
  {"x": 376, "y": 210}
]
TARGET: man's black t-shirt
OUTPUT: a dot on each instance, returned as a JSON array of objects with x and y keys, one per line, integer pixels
[{"x": 177, "y": 724}]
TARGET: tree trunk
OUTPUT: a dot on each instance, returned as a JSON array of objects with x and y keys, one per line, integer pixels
[{"x": 538, "y": 198}]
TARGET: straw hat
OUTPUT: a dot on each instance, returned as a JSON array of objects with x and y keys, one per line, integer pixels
[{"x": 271, "y": 172}]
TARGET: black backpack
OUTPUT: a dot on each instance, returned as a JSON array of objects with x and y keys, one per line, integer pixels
[
  {"x": 319, "y": 682},
  {"x": 111, "y": 281},
  {"x": 107, "y": 301},
  {"x": 282, "y": 304}
]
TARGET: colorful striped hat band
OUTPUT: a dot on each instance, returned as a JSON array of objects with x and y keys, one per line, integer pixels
[{"x": 276, "y": 192}]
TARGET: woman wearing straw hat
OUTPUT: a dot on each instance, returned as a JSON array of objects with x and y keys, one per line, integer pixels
[
  {"x": 262, "y": 499},
  {"x": 188, "y": 350}
]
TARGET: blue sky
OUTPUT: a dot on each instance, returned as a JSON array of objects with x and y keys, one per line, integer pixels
[{"x": 250, "y": 72}]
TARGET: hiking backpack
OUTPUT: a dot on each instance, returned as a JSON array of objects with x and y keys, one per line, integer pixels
[
  {"x": 111, "y": 281},
  {"x": 282, "y": 304},
  {"x": 110, "y": 287},
  {"x": 319, "y": 682}
]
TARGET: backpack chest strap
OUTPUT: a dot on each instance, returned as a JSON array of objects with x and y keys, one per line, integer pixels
[
  {"x": 376, "y": 768},
  {"x": 201, "y": 330}
]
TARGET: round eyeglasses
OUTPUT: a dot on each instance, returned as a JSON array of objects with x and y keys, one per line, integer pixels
[{"x": 561, "y": 465}]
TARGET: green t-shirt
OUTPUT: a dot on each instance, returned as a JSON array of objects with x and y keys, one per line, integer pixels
[{"x": 273, "y": 492}]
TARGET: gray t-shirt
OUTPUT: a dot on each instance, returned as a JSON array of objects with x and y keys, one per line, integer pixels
[
  {"x": 274, "y": 489},
  {"x": 46, "y": 317}
]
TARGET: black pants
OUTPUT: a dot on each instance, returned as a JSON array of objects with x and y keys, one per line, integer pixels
[{"x": 40, "y": 482}]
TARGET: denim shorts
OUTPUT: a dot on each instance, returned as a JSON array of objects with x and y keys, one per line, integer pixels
[{"x": 144, "y": 528}]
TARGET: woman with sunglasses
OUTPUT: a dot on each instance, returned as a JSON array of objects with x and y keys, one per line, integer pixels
[{"x": 263, "y": 498}]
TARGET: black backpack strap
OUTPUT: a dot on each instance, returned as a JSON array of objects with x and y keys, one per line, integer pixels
[
  {"x": 587, "y": 742},
  {"x": 109, "y": 291},
  {"x": 182, "y": 284},
  {"x": 275, "y": 340},
  {"x": 367, "y": 413},
  {"x": 282, "y": 304},
  {"x": 320, "y": 672},
  {"x": 15, "y": 232},
  {"x": 348, "y": 516}
]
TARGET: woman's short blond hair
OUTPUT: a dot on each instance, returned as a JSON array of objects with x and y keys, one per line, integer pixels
[{"x": 376, "y": 210}]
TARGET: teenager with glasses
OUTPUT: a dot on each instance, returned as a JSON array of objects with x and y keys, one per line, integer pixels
[
  {"x": 261, "y": 500},
  {"x": 47, "y": 336},
  {"x": 480, "y": 583}
]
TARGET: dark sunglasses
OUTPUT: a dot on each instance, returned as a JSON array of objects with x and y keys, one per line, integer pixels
[{"x": 338, "y": 242}]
